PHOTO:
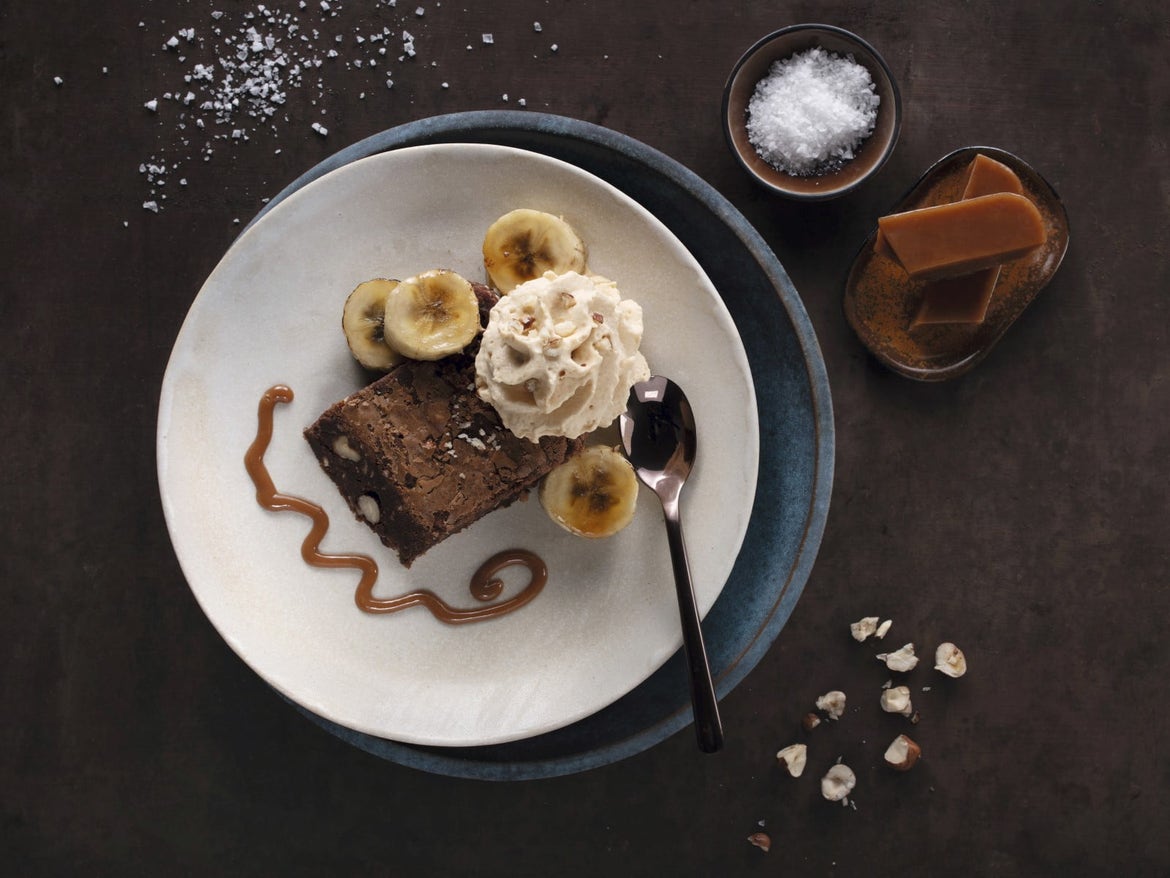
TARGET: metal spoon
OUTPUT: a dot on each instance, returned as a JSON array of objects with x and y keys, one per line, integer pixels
[{"x": 658, "y": 434}]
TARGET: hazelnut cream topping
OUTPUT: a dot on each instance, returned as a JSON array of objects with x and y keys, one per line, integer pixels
[{"x": 559, "y": 356}]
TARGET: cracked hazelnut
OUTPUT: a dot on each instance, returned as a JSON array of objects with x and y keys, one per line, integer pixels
[
  {"x": 344, "y": 450},
  {"x": 863, "y": 628},
  {"x": 949, "y": 659},
  {"x": 838, "y": 783},
  {"x": 793, "y": 758},
  {"x": 368, "y": 506},
  {"x": 761, "y": 840},
  {"x": 900, "y": 660},
  {"x": 897, "y": 700},
  {"x": 903, "y": 753},
  {"x": 833, "y": 703},
  {"x": 883, "y": 628}
]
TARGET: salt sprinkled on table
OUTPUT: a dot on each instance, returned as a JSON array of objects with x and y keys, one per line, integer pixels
[{"x": 811, "y": 112}]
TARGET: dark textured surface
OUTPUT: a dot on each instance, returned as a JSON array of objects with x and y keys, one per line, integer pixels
[{"x": 1019, "y": 511}]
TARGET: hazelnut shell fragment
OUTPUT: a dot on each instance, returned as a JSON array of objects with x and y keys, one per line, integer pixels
[{"x": 761, "y": 840}]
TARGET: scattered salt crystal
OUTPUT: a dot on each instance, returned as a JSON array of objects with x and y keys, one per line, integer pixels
[
  {"x": 242, "y": 74},
  {"x": 488, "y": 39},
  {"x": 536, "y": 26},
  {"x": 150, "y": 205},
  {"x": 505, "y": 96},
  {"x": 811, "y": 112},
  {"x": 522, "y": 102},
  {"x": 554, "y": 47},
  {"x": 319, "y": 128},
  {"x": 58, "y": 81},
  {"x": 105, "y": 71}
]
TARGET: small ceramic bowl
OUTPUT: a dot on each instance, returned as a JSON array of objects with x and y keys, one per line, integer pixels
[{"x": 754, "y": 66}]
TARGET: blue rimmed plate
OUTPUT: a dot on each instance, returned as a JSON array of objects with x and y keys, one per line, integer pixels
[{"x": 795, "y": 441}]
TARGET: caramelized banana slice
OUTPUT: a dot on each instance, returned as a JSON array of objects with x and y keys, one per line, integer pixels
[
  {"x": 431, "y": 315},
  {"x": 362, "y": 320},
  {"x": 593, "y": 494},
  {"x": 524, "y": 244}
]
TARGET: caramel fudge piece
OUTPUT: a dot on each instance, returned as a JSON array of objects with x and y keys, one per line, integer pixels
[
  {"x": 953, "y": 239},
  {"x": 964, "y": 299},
  {"x": 989, "y": 177}
]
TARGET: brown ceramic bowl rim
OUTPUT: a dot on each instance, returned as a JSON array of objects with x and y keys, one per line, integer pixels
[{"x": 847, "y": 36}]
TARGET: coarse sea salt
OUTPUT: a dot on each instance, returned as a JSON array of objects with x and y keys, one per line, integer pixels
[
  {"x": 256, "y": 68},
  {"x": 811, "y": 112}
]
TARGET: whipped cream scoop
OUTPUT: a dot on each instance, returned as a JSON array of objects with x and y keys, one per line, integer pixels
[{"x": 560, "y": 354}]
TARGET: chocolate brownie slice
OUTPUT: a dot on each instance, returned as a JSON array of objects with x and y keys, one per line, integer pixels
[{"x": 419, "y": 456}]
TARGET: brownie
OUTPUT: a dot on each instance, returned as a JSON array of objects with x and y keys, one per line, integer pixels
[{"x": 419, "y": 456}]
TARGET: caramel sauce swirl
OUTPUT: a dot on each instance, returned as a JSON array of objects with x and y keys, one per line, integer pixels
[{"x": 485, "y": 584}]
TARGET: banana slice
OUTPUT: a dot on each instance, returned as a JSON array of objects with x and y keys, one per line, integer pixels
[
  {"x": 593, "y": 494},
  {"x": 431, "y": 315},
  {"x": 362, "y": 319},
  {"x": 524, "y": 244}
]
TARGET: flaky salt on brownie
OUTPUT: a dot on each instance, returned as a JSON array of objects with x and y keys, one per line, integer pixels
[{"x": 419, "y": 456}]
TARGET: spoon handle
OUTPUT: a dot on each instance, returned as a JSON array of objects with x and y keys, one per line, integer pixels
[{"x": 708, "y": 725}]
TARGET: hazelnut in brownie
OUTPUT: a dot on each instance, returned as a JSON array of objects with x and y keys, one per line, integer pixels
[{"x": 419, "y": 456}]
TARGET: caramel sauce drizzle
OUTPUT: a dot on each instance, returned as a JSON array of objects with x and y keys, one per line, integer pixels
[{"x": 485, "y": 584}]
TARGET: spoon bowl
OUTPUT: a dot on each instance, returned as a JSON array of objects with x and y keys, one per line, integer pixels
[{"x": 660, "y": 441}]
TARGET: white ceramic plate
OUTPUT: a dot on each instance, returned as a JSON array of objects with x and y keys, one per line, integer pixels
[{"x": 270, "y": 313}]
